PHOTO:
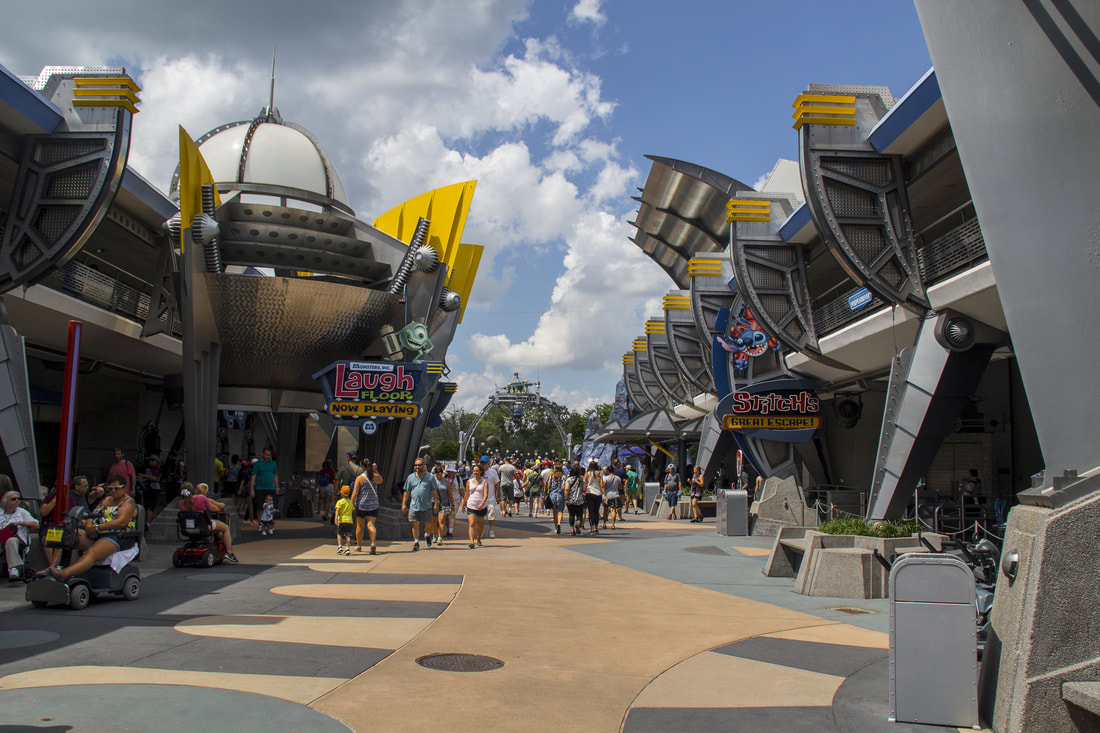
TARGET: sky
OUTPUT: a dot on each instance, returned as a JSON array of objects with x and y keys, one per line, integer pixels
[{"x": 551, "y": 105}]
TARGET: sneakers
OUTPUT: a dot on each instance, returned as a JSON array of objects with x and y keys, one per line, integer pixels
[
  {"x": 558, "y": 529},
  {"x": 271, "y": 531},
  {"x": 373, "y": 551},
  {"x": 450, "y": 536},
  {"x": 416, "y": 546},
  {"x": 492, "y": 534},
  {"x": 428, "y": 539},
  {"x": 439, "y": 540},
  {"x": 231, "y": 559},
  {"x": 253, "y": 522},
  {"x": 14, "y": 574}
]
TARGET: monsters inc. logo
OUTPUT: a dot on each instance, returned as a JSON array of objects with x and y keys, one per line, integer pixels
[{"x": 745, "y": 338}]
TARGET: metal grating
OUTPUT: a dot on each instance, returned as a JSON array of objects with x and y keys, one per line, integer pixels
[
  {"x": 459, "y": 662},
  {"x": 868, "y": 242},
  {"x": 91, "y": 286},
  {"x": 875, "y": 172},
  {"x": 850, "y": 201},
  {"x": 837, "y": 313},
  {"x": 75, "y": 183},
  {"x": 952, "y": 251}
]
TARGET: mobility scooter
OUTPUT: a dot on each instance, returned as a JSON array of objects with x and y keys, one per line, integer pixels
[
  {"x": 78, "y": 591},
  {"x": 203, "y": 549}
]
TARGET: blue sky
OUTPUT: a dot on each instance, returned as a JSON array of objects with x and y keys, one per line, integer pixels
[{"x": 551, "y": 105}]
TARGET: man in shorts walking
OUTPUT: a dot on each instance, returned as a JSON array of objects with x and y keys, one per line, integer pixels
[{"x": 420, "y": 499}]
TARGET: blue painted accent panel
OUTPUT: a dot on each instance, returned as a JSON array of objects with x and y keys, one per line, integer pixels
[
  {"x": 907, "y": 111},
  {"x": 35, "y": 108},
  {"x": 134, "y": 184},
  {"x": 719, "y": 357},
  {"x": 795, "y": 223},
  {"x": 435, "y": 418}
]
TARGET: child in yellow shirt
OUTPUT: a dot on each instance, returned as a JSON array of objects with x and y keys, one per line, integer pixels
[{"x": 345, "y": 525}]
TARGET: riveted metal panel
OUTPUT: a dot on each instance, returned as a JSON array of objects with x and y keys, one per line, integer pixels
[
  {"x": 65, "y": 184},
  {"x": 858, "y": 202}
]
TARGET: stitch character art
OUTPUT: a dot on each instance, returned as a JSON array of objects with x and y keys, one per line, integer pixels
[{"x": 745, "y": 339}]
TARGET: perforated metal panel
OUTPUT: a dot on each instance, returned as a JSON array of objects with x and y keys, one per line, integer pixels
[{"x": 276, "y": 332}]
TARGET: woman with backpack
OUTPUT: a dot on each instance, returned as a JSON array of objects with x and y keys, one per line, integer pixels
[{"x": 574, "y": 499}]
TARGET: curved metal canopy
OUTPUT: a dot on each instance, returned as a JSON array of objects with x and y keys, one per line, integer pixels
[{"x": 682, "y": 213}]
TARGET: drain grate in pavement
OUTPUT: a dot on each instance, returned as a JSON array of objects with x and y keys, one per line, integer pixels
[
  {"x": 851, "y": 609},
  {"x": 459, "y": 662}
]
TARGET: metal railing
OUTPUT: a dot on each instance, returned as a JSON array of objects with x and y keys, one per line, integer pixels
[
  {"x": 952, "y": 251},
  {"x": 945, "y": 255},
  {"x": 93, "y": 286},
  {"x": 833, "y": 501}
]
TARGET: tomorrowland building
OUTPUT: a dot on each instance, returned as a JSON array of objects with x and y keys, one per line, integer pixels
[
  {"x": 250, "y": 308},
  {"x": 912, "y": 299}
]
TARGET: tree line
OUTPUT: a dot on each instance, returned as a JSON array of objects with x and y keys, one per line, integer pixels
[{"x": 533, "y": 433}]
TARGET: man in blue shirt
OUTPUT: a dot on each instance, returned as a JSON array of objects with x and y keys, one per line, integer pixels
[
  {"x": 421, "y": 500},
  {"x": 265, "y": 480}
]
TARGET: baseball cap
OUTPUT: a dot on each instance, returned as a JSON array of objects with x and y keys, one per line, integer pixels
[
  {"x": 484, "y": 459},
  {"x": 345, "y": 491}
]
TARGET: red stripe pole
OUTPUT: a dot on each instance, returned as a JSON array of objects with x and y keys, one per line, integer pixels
[{"x": 68, "y": 419}]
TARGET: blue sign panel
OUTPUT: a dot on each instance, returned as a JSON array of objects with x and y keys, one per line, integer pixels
[{"x": 859, "y": 298}]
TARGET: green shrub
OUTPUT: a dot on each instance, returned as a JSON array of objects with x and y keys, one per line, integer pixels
[{"x": 860, "y": 526}]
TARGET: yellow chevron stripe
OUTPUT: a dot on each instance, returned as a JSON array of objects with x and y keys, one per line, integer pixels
[
  {"x": 827, "y": 98},
  {"x": 106, "y": 81},
  {"x": 640, "y": 344},
  {"x": 107, "y": 103},
  {"x": 657, "y": 327}
]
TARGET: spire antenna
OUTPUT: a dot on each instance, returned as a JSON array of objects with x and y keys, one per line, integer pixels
[{"x": 271, "y": 96}]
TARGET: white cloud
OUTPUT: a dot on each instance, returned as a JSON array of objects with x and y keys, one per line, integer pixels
[
  {"x": 588, "y": 11},
  {"x": 197, "y": 93},
  {"x": 597, "y": 307}
]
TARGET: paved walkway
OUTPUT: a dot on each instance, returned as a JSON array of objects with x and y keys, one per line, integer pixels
[{"x": 655, "y": 626}]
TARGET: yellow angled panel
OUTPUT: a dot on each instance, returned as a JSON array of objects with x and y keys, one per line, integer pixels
[
  {"x": 445, "y": 207},
  {"x": 848, "y": 121},
  {"x": 107, "y": 94},
  {"x": 810, "y": 109},
  {"x": 654, "y": 327},
  {"x": 101, "y": 81},
  {"x": 106, "y": 103},
  {"x": 827, "y": 98},
  {"x": 741, "y": 217},
  {"x": 463, "y": 272},
  {"x": 193, "y": 174},
  {"x": 639, "y": 344}
]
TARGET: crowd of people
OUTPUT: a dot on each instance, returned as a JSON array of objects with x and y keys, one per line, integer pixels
[{"x": 594, "y": 498}]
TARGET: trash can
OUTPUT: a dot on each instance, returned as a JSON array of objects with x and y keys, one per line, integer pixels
[
  {"x": 732, "y": 512},
  {"x": 933, "y": 641}
]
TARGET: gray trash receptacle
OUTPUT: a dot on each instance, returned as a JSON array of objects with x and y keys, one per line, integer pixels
[
  {"x": 933, "y": 641},
  {"x": 732, "y": 512}
]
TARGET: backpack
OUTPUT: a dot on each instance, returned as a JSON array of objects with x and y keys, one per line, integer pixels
[{"x": 323, "y": 479}]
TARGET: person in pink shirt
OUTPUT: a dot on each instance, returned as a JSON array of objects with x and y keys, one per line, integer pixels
[{"x": 125, "y": 468}]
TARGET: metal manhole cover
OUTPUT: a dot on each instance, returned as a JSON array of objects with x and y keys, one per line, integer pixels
[
  {"x": 459, "y": 662},
  {"x": 851, "y": 609}
]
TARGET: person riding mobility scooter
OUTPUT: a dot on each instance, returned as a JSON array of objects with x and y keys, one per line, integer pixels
[
  {"x": 208, "y": 540},
  {"x": 203, "y": 549},
  {"x": 109, "y": 539}
]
